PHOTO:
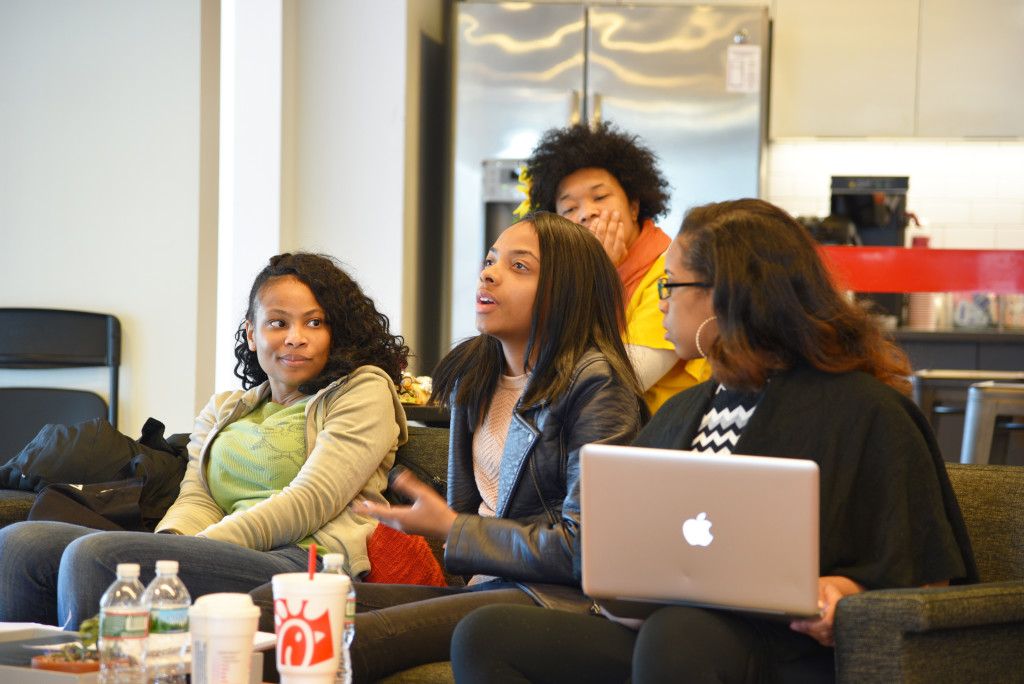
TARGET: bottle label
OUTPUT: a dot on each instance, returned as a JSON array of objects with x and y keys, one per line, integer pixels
[
  {"x": 123, "y": 625},
  {"x": 168, "y": 620}
]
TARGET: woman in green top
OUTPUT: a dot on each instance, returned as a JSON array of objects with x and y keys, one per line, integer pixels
[{"x": 272, "y": 467}]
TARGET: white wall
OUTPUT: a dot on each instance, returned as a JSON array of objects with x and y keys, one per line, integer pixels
[
  {"x": 100, "y": 183},
  {"x": 343, "y": 191},
  {"x": 249, "y": 217},
  {"x": 970, "y": 192}
]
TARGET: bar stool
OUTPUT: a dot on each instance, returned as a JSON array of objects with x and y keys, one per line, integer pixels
[
  {"x": 986, "y": 402},
  {"x": 943, "y": 392}
]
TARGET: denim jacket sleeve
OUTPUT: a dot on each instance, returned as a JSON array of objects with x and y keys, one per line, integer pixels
[{"x": 534, "y": 539}]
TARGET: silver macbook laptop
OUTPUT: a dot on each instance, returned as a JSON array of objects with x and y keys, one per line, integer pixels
[{"x": 735, "y": 532}]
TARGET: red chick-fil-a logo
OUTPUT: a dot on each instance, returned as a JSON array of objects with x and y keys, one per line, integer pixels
[{"x": 302, "y": 640}]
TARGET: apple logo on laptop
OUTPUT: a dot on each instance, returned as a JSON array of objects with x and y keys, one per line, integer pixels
[{"x": 697, "y": 531}]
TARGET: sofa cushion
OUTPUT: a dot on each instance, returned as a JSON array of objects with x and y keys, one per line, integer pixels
[{"x": 15, "y": 505}]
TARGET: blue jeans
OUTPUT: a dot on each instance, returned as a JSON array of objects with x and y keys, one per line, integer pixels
[{"x": 54, "y": 573}]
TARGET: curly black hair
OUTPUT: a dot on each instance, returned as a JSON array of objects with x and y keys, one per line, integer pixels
[
  {"x": 359, "y": 333},
  {"x": 563, "y": 151}
]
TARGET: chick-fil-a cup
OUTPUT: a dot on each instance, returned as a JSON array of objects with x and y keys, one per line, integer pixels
[{"x": 309, "y": 619}]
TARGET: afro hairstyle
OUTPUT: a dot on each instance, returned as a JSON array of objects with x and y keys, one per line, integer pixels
[{"x": 564, "y": 151}]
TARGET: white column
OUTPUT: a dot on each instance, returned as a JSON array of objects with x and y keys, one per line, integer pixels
[{"x": 250, "y": 162}]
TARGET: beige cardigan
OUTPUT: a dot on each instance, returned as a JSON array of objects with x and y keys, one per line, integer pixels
[{"x": 353, "y": 428}]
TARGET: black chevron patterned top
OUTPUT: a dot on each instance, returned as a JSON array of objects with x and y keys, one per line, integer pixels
[{"x": 721, "y": 426}]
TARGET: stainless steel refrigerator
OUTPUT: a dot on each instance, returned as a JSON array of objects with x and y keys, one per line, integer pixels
[{"x": 690, "y": 80}]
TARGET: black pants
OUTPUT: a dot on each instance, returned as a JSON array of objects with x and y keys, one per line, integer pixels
[
  {"x": 679, "y": 644},
  {"x": 399, "y": 626}
]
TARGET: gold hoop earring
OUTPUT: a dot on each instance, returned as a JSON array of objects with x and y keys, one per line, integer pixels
[{"x": 700, "y": 328}]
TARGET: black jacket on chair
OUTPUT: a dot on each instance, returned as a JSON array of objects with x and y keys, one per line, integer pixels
[
  {"x": 534, "y": 538},
  {"x": 148, "y": 472}
]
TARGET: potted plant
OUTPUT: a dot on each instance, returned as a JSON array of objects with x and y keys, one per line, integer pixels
[{"x": 77, "y": 657}]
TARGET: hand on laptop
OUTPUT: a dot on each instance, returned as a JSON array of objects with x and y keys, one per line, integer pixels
[
  {"x": 830, "y": 590},
  {"x": 429, "y": 514}
]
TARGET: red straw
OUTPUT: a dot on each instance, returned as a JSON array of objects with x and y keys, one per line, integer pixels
[{"x": 312, "y": 560}]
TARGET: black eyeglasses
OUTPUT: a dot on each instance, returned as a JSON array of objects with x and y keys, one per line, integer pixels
[{"x": 665, "y": 287}]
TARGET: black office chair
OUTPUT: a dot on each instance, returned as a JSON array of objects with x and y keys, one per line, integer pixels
[{"x": 49, "y": 339}]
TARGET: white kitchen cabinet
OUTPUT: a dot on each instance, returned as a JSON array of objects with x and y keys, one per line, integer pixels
[
  {"x": 971, "y": 78},
  {"x": 897, "y": 68},
  {"x": 843, "y": 68}
]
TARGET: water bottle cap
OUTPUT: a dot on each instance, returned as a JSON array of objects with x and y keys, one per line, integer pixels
[
  {"x": 127, "y": 569},
  {"x": 167, "y": 567},
  {"x": 334, "y": 560}
]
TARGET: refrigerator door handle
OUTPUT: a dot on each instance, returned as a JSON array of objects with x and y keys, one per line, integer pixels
[
  {"x": 574, "y": 107},
  {"x": 595, "y": 111}
]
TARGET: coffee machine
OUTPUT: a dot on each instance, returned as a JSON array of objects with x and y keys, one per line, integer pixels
[{"x": 877, "y": 207}]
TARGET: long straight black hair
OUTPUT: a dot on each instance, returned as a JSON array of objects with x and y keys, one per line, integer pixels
[{"x": 579, "y": 306}]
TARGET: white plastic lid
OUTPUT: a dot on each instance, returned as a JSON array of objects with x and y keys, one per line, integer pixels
[
  {"x": 127, "y": 569},
  {"x": 226, "y": 604},
  {"x": 167, "y": 567},
  {"x": 334, "y": 560}
]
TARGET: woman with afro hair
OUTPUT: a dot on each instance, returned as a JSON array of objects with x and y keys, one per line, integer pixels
[{"x": 607, "y": 181}]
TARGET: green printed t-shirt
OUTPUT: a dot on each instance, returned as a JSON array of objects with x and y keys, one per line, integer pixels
[{"x": 257, "y": 456}]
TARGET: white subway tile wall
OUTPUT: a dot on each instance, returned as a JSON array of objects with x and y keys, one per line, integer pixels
[{"x": 969, "y": 194}]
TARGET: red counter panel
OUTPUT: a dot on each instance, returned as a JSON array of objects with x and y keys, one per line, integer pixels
[{"x": 915, "y": 269}]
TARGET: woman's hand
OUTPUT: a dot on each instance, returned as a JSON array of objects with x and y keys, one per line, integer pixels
[
  {"x": 830, "y": 590},
  {"x": 429, "y": 514},
  {"x": 610, "y": 231}
]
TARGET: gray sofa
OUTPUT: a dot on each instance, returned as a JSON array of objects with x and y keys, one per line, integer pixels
[
  {"x": 14, "y": 505},
  {"x": 971, "y": 633}
]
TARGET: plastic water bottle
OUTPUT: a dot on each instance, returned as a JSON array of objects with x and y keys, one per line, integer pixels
[
  {"x": 334, "y": 563},
  {"x": 168, "y": 601},
  {"x": 124, "y": 620}
]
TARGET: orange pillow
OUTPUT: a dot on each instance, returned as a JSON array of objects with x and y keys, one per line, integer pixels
[{"x": 400, "y": 558}]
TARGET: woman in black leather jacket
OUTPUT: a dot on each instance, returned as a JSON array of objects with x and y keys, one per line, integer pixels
[{"x": 550, "y": 308}]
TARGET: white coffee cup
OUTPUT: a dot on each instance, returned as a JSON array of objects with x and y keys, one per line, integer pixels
[
  {"x": 222, "y": 627},
  {"x": 309, "y": 619}
]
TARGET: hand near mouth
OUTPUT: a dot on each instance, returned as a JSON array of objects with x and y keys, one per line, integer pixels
[{"x": 611, "y": 233}]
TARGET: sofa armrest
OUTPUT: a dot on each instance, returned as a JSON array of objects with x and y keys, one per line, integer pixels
[{"x": 959, "y": 633}]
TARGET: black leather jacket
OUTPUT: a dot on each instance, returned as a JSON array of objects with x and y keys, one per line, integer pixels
[{"x": 533, "y": 539}]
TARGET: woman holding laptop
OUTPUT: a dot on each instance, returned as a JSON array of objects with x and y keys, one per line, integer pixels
[{"x": 797, "y": 371}]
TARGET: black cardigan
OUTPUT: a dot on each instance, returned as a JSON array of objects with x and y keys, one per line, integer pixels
[{"x": 889, "y": 517}]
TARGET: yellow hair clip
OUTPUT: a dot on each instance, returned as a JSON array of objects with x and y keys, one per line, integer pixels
[{"x": 524, "y": 187}]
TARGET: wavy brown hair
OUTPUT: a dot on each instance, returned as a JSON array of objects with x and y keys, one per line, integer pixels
[
  {"x": 579, "y": 306},
  {"x": 564, "y": 151},
  {"x": 359, "y": 333},
  {"x": 776, "y": 302}
]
